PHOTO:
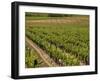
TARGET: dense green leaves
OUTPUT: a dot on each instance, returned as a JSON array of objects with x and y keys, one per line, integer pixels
[
  {"x": 66, "y": 45},
  {"x": 32, "y": 60}
]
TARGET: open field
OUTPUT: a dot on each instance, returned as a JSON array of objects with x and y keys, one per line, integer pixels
[{"x": 64, "y": 39}]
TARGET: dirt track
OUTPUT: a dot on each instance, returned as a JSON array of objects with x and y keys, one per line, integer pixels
[
  {"x": 69, "y": 20},
  {"x": 42, "y": 54}
]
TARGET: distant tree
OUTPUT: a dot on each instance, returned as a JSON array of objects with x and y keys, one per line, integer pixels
[{"x": 55, "y": 15}]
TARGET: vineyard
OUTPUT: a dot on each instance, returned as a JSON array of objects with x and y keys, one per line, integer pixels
[
  {"x": 32, "y": 59},
  {"x": 66, "y": 41}
]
